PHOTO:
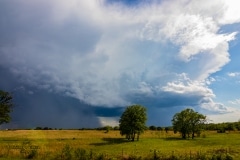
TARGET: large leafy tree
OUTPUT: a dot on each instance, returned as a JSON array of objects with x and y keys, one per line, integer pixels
[
  {"x": 188, "y": 122},
  {"x": 5, "y": 107},
  {"x": 132, "y": 121}
]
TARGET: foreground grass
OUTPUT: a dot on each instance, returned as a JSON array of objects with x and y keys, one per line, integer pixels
[{"x": 50, "y": 144}]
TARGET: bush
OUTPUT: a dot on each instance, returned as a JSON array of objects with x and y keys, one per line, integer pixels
[
  {"x": 66, "y": 153},
  {"x": 204, "y": 135},
  {"x": 27, "y": 150},
  {"x": 32, "y": 154},
  {"x": 222, "y": 130},
  {"x": 102, "y": 156},
  {"x": 159, "y": 128},
  {"x": 134, "y": 157},
  {"x": 116, "y": 128},
  {"x": 81, "y": 154},
  {"x": 155, "y": 155},
  {"x": 45, "y": 128},
  {"x": 38, "y": 128}
]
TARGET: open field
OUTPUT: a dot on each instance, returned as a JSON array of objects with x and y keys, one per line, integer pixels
[{"x": 57, "y": 144}]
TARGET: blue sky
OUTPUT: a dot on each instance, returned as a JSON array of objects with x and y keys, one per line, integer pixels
[{"x": 73, "y": 64}]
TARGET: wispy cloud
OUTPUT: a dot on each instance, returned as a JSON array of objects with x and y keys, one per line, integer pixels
[{"x": 235, "y": 102}]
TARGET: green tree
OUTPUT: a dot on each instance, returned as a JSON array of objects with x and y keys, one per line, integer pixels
[
  {"x": 188, "y": 122},
  {"x": 5, "y": 107},
  {"x": 132, "y": 121}
]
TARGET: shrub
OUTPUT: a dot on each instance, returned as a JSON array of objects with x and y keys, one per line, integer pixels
[
  {"x": 222, "y": 130},
  {"x": 38, "y": 128},
  {"x": 81, "y": 154},
  {"x": 32, "y": 154},
  {"x": 66, "y": 153},
  {"x": 155, "y": 155}
]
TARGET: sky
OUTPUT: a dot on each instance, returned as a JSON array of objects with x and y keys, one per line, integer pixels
[{"x": 74, "y": 64}]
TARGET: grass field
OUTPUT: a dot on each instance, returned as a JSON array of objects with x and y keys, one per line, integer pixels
[{"x": 63, "y": 144}]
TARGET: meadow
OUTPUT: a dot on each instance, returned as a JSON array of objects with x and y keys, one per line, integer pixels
[{"x": 99, "y": 144}]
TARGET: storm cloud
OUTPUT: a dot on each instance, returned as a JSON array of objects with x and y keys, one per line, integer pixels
[{"x": 106, "y": 54}]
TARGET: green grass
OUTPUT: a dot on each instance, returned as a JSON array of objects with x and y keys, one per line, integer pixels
[{"x": 50, "y": 143}]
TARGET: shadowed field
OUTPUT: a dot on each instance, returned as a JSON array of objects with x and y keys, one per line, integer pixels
[{"x": 50, "y": 144}]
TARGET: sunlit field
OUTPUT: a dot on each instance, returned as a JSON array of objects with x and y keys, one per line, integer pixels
[{"x": 65, "y": 144}]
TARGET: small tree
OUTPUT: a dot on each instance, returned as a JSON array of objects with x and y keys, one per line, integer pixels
[
  {"x": 188, "y": 122},
  {"x": 5, "y": 107},
  {"x": 133, "y": 121}
]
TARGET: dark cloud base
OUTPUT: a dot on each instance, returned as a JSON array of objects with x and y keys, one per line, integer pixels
[
  {"x": 38, "y": 107},
  {"x": 34, "y": 107},
  {"x": 108, "y": 112}
]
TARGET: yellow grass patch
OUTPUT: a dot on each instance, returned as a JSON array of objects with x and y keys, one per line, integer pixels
[{"x": 49, "y": 143}]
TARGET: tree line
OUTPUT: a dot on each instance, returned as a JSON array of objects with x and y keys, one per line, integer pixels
[
  {"x": 223, "y": 127},
  {"x": 132, "y": 122}
]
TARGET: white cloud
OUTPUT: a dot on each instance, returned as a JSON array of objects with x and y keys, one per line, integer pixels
[
  {"x": 231, "y": 12},
  {"x": 210, "y": 80},
  {"x": 226, "y": 117},
  {"x": 109, "y": 121},
  {"x": 214, "y": 107},
  {"x": 189, "y": 88},
  {"x": 233, "y": 74},
  {"x": 197, "y": 89},
  {"x": 185, "y": 85}
]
